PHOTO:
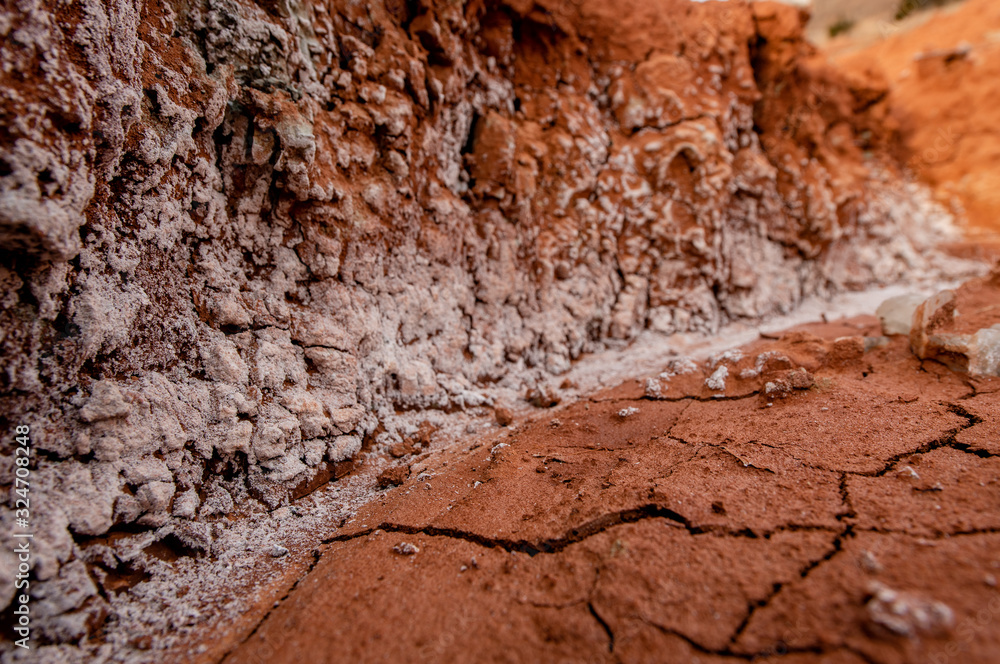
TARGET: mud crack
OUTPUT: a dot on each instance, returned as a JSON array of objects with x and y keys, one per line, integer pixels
[
  {"x": 574, "y": 535},
  {"x": 948, "y": 440},
  {"x": 604, "y": 626},
  {"x": 317, "y": 554},
  {"x": 836, "y": 548}
]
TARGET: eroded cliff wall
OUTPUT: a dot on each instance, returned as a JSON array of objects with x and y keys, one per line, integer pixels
[{"x": 238, "y": 238}]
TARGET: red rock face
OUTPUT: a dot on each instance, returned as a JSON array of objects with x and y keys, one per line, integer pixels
[
  {"x": 942, "y": 95},
  {"x": 241, "y": 238}
]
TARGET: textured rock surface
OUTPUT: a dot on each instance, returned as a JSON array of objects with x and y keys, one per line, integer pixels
[
  {"x": 961, "y": 328},
  {"x": 239, "y": 239},
  {"x": 852, "y": 521},
  {"x": 896, "y": 313}
]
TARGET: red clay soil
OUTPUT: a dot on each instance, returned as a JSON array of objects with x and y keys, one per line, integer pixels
[
  {"x": 838, "y": 500},
  {"x": 977, "y": 304},
  {"x": 944, "y": 93}
]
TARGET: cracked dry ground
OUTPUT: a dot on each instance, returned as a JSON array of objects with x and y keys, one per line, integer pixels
[{"x": 696, "y": 529}]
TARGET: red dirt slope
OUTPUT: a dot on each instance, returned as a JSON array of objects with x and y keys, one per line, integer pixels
[{"x": 945, "y": 92}]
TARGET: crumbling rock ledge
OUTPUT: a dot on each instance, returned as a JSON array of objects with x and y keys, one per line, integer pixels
[{"x": 240, "y": 239}]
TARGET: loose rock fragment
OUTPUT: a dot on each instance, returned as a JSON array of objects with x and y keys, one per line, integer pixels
[
  {"x": 870, "y": 563},
  {"x": 406, "y": 549},
  {"x": 777, "y": 390},
  {"x": 543, "y": 397},
  {"x": 800, "y": 379},
  {"x": 907, "y": 614},
  {"x": 400, "y": 450},
  {"x": 717, "y": 381},
  {"x": 504, "y": 416},
  {"x": 929, "y": 316},
  {"x": 933, "y": 336},
  {"x": 783, "y": 383},
  {"x": 393, "y": 476},
  {"x": 984, "y": 352},
  {"x": 896, "y": 313}
]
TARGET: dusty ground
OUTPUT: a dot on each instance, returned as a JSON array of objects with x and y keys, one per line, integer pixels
[
  {"x": 837, "y": 25},
  {"x": 827, "y": 503},
  {"x": 244, "y": 245},
  {"x": 859, "y": 18},
  {"x": 826, "y": 497}
]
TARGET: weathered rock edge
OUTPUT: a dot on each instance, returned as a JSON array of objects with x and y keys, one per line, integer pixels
[{"x": 239, "y": 238}]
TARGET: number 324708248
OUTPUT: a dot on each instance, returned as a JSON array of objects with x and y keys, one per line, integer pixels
[{"x": 22, "y": 457}]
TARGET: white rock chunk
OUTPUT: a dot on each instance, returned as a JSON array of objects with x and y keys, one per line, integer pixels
[
  {"x": 896, "y": 313},
  {"x": 717, "y": 381},
  {"x": 106, "y": 403}
]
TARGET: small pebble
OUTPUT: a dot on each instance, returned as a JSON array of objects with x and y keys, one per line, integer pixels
[
  {"x": 406, "y": 549},
  {"x": 869, "y": 563},
  {"x": 277, "y": 551}
]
